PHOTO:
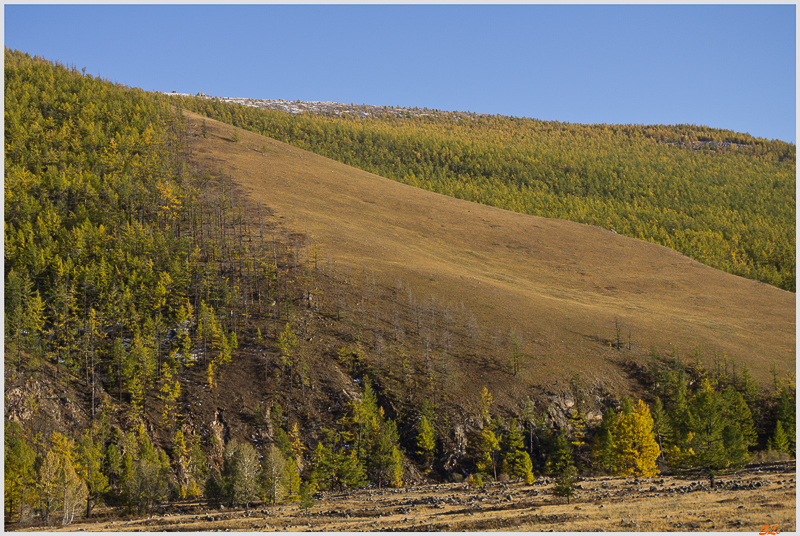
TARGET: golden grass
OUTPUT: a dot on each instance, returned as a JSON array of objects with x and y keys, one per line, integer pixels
[
  {"x": 562, "y": 284},
  {"x": 609, "y": 504}
]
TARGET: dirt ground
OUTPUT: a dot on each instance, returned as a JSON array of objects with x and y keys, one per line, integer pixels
[{"x": 747, "y": 501}]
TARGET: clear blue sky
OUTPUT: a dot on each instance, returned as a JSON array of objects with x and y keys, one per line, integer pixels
[{"x": 725, "y": 66}]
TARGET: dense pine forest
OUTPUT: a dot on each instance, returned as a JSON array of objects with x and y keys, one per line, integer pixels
[
  {"x": 140, "y": 296},
  {"x": 723, "y": 198}
]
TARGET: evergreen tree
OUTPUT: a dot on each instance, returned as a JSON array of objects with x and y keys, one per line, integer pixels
[
  {"x": 273, "y": 475},
  {"x": 603, "y": 444},
  {"x": 559, "y": 455},
  {"x": 238, "y": 480},
  {"x": 785, "y": 413},
  {"x": 739, "y": 417},
  {"x": 293, "y": 481},
  {"x": 565, "y": 483},
  {"x": 19, "y": 474},
  {"x": 90, "y": 468},
  {"x": 426, "y": 440},
  {"x": 779, "y": 441},
  {"x": 712, "y": 444},
  {"x": 635, "y": 449},
  {"x": 661, "y": 425},
  {"x": 516, "y": 463},
  {"x": 488, "y": 447}
]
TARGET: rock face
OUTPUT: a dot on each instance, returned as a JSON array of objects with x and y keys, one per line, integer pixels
[
  {"x": 459, "y": 448},
  {"x": 332, "y": 108},
  {"x": 219, "y": 430},
  {"x": 34, "y": 402}
]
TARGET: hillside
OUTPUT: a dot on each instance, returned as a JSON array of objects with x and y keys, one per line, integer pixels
[
  {"x": 199, "y": 315},
  {"x": 564, "y": 285},
  {"x": 723, "y": 198}
]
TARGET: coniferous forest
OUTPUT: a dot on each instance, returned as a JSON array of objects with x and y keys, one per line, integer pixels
[{"x": 137, "y": 286}]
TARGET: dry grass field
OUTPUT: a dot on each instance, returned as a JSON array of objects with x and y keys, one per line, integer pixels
[
  {"x": 744, "y": 502},
  {"x": 564, "y": 285}
]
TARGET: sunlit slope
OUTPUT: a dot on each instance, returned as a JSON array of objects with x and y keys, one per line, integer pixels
[{"x": 564, "y": 284}]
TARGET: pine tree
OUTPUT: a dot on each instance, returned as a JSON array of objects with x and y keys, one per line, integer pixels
[
  {"x": 603, "y": 444},
  {"x": 306, "y": 497},
  {"x": 272, "y": 476},
  {"x": 487, "y": 448},
  {"x": 426, "y": 440},
  {"x": 565, "y": 483},
  {"x": 738, "y": 414},
  {"x": 287, "y": 343},
  {"x": 90, "y": 468},
  {"x": 293, "y": 482},
  {"x": 322, "y": 466},
  {"x": 559, "y": 455},
  {"x": 19, "y": 474},
  {"x": 779, "y": 441},
  {"x": 170, "y": 393},
  {"x": 712, "y": 444},
  {"x": 485, "y": 405},
  {"x": 635, "y": 448},
  {"x": 297, "y": 447},
  {"x": 785, "y": 413},
  {"x": 661, "y": 425},
  {"x": 516, "y": 463}
]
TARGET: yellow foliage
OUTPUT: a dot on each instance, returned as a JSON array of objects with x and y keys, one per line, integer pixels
[{"x": 635, "y": 447}]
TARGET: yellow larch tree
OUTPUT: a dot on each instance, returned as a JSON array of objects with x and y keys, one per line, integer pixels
[{"x": 635, "y": 447}]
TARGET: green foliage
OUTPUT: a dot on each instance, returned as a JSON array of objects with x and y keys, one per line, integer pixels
[
  {"x": 426, "y": 439},
  {"x": 334, "y": 466},
  {"x": 713, "y": 439},
  {"x": 603, "y": 444},
  {"x": 293, "y": 481},
  {"x": 488, "y": 446},
  {"x": 565, "y": 484},
  {"x": 239, "y": 474},
  {"x": 272, "y": 477},
  {"x": 515, "y": 461},
  {"x": 779, "y": 441},
  {"x": 145, "y": 479},
  {"x": 375, "y": 439},
  {"x": 785, "y": 415},
  {"x": 559, "y": 455},
  {"x": 306, "y": 497},
  {"x": 108, "y": 242},
  {"x": 90, "y": 457},
  {"x": 19, "y": 475}
]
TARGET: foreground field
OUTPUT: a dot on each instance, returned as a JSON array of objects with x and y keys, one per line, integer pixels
[{"x": 747, "y": 501}]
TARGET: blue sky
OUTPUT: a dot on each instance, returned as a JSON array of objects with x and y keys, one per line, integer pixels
[{"x": 725, "y": 66}]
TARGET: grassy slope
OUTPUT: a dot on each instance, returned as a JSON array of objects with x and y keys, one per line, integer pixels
[{"x": 563, "y": 284}]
